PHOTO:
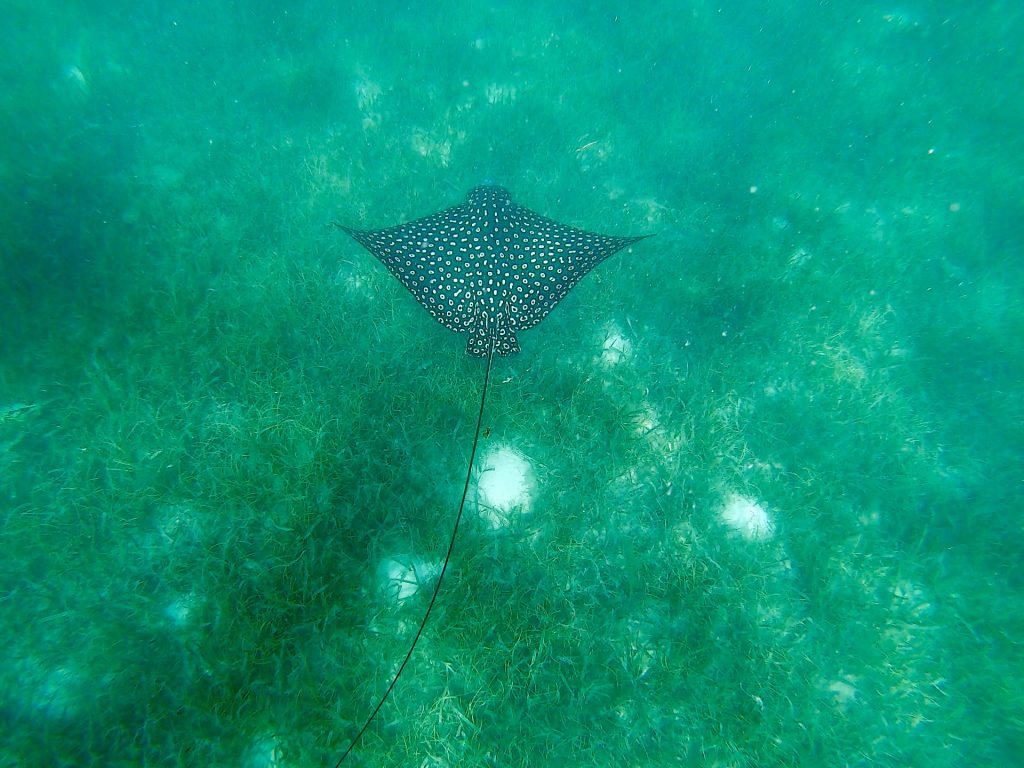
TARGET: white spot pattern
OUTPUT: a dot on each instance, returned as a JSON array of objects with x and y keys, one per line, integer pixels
[{"x": 488, "y": 266}]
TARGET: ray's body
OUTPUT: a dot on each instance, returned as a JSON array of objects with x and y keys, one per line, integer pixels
[{"x": 488, "y": 266}]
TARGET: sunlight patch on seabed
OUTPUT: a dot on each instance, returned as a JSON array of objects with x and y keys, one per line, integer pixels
[
  {"x": 505, "y": 486},
  {"x": 615, "y": 359},
  {"x": 650, "y": 210},
  {"x": 76, "y": 79},
  {"x": 903, "y": 626},
  {"x": 747, "y": 517},
  {"x": 321, "y": 179},
  {"x": 402, "y": 576},
  {"x": 181, "y": 610},
  {"x": 175, "y": 532},
  {"x": 368, "y": 94},
  {"x": 50, "y": 690},
  {"x": 591, "y": 152},
  {"x": 500, "y": 93},
  {"x": 617, "y": 347},
  {"x": 358, "y": 281},
  {"x": 437, "y": 150},
  {"x": 265, "y": 753}
]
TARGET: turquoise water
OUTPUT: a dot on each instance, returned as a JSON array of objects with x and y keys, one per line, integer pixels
[{"x": 750, "y": 496}]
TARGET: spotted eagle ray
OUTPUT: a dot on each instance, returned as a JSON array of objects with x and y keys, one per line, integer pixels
[{"x": 492, "y": 268}]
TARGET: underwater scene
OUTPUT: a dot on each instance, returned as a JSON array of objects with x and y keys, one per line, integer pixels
[{"x": 749, "y": 495}]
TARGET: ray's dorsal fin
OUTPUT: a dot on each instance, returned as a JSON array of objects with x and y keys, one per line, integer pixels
[{"x": 490, "y": 268}]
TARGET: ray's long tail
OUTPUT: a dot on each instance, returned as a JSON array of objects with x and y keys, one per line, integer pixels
[{"x": 444, "y": 567}]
